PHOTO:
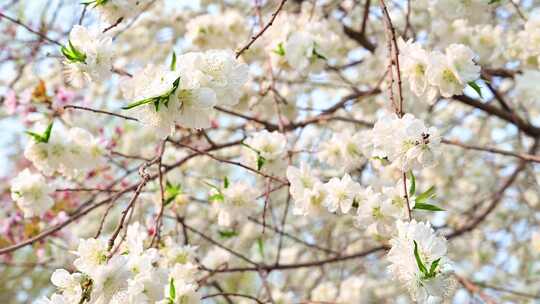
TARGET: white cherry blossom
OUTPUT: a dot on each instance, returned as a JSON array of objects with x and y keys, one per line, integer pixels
[{"x": 32, "y": 193}]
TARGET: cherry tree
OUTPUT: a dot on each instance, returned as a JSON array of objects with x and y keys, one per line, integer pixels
[{"x": 270, "y": 151}]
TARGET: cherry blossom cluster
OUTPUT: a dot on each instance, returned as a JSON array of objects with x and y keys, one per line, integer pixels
[
  {"x": 185, "y": 152},
  {"x": 432, "y": 73},
  {"x": 70, "y": 152},
  {"x": 137, "y": 275},
  {"x": 185, "y": 95}
]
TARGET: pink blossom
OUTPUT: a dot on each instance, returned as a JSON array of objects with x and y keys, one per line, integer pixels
[
  {"x": 11, "y": 102},
  {"x": 63, "y": 97}
]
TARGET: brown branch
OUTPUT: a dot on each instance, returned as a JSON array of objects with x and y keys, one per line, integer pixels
[
  {"x": 113, "y": 25},
  {"x": 212, "y": 241},
  {"x": 394, "y": 60},
  {"x": 232, "y": 294},
  {"x": 507, "y": 290},
  {"x": 524, "y": 126},
  {"x": 145, "y": 178},
  {"x": 359, "y": 37},
  {"x": 522, "y": 156},
  {"x": 261, "y": 32},
  {"x": 495, "y": 199},
  {"x": 87, "y": 208},
  {"x": 84, "y": 190},
  {"x": 365, "y": 17},
  {"x": 474, "y": 289},
  {"x": 294, "y": 238},
  {"x": 18, "y": 22},
  {"x": 159, "y": 219},
  {"x": 275, "y": 178},
  {"x": 278, "y": 266},
  {"x": 100, "y": 112},
  {"x": 268, "y": 125}
]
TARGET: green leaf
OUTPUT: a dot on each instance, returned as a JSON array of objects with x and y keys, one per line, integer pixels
[
  {"x": 428, "y": 207},
  {"x": 476, "y": 88},
  {"x": 42, "y": 138},
  {"x": 95, "y": 2},
  {"x": 173, "y": 62},
  {"x": 72, "y": 54},
  {"x": 225, "y": 183},
  {"x": 260, "y": 162},
  {"x": 318, "y": 55},
  {"x": 280, "y": 50},
  {"x": 139, "y": 103},
  {"x": 172, "y": 291},
  {"x": 428, "y": 194},
  {"x": 433, "y": 268},
  {"x": 173, "y": 189},
  {"x": 217, "y": 197},
  {"x": 168, "y": 200},
  {"x": 171, "y": 192},
  {"x": 494, "y": 1},
  {"x": 260, "y": 245},
  {"x": 227, "y": 234},
  {"x": 384, "y": 160},
  {"x": 157, "y": 100},
  {"x": 412, "y": 190},
  {"x": 47, "y": 133},
  {"x": 419, "y": 260},
  {"x": 37, "y": 137}
]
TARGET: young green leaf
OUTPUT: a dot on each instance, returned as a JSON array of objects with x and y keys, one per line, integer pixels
[
  {"x": 426, "y": 195},
  {"x": 476, "y": 88},
  {"x": 433, "y": 268},
  {"x": 419, "y": 262},
  {"x": 260, "y": 162},
  {"x": 173, "y": 62},
  {"x": 428, "y": 207},
  {"x": 225, "y": 183},
  {"x": 47, "y": 133},
  {"x": 72, "y": 54},
  {"x": 280, "y": 50},
  {"x": 157, "y": 100},
  {"x": 95, "y": 2},
  {"x": 35, "y": 136},
  {"x": 171, "y": 192},
  {"x": 226, "y": 234},
  {"x": 139, "y": 103},
  {"x": 318, "y": 55},
  {"x": 172, "y": 291},
  {"x": 384, "y": 160},
  {"x": 42, "y": 138},
  {"x": 218, "y": 197},
  {"x": 260, "y": 246},
  {"x": 412, "y": 190}
]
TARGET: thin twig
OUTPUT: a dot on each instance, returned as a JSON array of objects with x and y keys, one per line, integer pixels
[
  {"x": 523, "y": 156},
  {"x": 100, "y": 112},
  {"x": 261, "y": 32},
  {"x": 17, "y": 21}
]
